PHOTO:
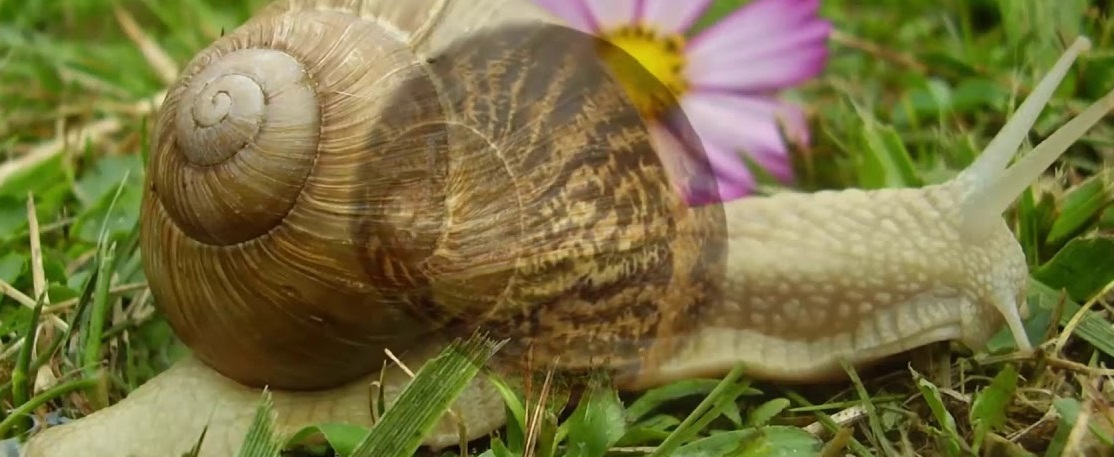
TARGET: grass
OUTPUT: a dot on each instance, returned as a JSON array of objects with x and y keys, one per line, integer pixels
[{"x": 912, "y": 92}]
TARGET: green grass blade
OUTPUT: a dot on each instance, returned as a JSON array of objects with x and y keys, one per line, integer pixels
[
  {"x": 94, "y": 330},
  {"x": 767, "y": 411},
  {"x": 728, "y": 388},
  {"x": 22, "y": 411},
  {"x": 988, "y": 410},
  {"x": 21, "y": 374},
  {"x": 950, "y": 434},
  {"x": 260, "y": 440},
  {"x": 772, "y": 441},
  {"x": 654, "y": 398},
  {"x": 341, "y": 438},
  {"x": 515, "y": 429},
  {"x": 426, "y": 399}
]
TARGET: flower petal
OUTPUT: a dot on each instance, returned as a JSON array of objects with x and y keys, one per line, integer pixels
[
  {"x": 763, "y": 19},
  {"x": 574, "y": 12},
  {"x": 733, "y": 179},
  {"x": 703, "y": 176},
  {"x": 766, "y": 45},
  {"x": 793, "y": 121},
  {"x": 689, "y": 176},
  {"x": 736, "y": 124},
  {"x": 672, "y": 16},
  {"x": 608, "y": 14}
]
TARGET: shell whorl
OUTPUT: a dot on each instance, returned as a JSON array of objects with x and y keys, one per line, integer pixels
[
  {"x": 483, "y": 172},
  {"x": 248, "y": 111}
]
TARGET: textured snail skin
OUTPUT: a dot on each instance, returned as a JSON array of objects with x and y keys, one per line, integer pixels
[
  {"x": 617, "y": 272},
  {"x": 858, "y": 276},
  {"x": 166, "y": 416}
]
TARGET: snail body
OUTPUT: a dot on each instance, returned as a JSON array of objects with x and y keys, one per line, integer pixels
[{"x": 336, "y": 178}]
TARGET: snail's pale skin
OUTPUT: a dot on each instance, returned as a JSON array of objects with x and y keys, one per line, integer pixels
[{"x": 809, "y": 280}]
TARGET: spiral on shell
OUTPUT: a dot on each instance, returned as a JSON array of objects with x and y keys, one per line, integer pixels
[{"x": 333, "y": 179}]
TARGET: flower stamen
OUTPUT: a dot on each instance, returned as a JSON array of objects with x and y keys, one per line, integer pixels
[{"x": 654, "y": 79}]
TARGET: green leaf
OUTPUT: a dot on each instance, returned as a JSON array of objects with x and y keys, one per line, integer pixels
[
  {"x": 105, "y": 175},
  {"x": 975, "y": 94},
  {"x": 1083, "y": 267},
  {"x": 342, "y": 438},
  {"x": 596, "y": 424},
  {"x": 14, "y": 319},
  {"x": 13, "y": 216},
  {"x": 1106, "y": 221},
  {"x": 1092, "y": 328},
  {"x": 60, "y": 293},
  {"x": 931, "y": 395},
  {"x": 651, "y": 430},
  {"x": 662, "y": 421},
  {"x": 885, "y": 163},
  {"x": 935, "y": 99},
  {"x": 1080, "y": 207},
  {"x": 515, "y": 427},
  {"x": 46, "y": 177},
  {"x": 498, "y": 449},
  {"x": 988, "y": 410},
  {"x": 426, "y": 398},
  {"x": 656, "y": 397},
  {"x": 12, "y": 266},
  {"x": 114, "y": 215},
  {"x": 1036, "y": 325},
  {"x": 766, "y": 411},
  {"x": 772, "y": 441}
]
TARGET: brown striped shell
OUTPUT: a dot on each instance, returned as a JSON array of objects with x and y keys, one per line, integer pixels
[{"x": 334, "y": 178}]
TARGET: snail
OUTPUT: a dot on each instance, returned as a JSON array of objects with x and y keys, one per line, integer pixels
[{"x": 335, "y": 178}]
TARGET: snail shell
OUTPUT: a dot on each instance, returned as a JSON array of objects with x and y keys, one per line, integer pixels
[{"x": 336, "y": 178}]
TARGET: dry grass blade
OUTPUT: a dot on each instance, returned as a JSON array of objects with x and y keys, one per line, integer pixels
[
  {"x": 160, "y": 61},
  {"x": 1077, "y": 318},
  {"x": 1074, "y": 444},
  {"x": 402, "y": 366},
  {"x": 23, "y": 299},
  {"x": 38, "y": 275},
  {"x": 843, "y": 418},
  {"x": 534, "y": 424},
  {"x": 91, "y": 133},
  {"x": 115, "y": 290}
]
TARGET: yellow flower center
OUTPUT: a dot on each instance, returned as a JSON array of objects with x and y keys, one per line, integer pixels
[{"x": 654, "y": 80}]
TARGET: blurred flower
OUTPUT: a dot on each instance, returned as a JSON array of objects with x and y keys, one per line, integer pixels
[{"x": 722, "y": 82}]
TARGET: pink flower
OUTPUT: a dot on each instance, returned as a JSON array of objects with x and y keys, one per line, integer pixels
[{"x": 723, "y": 81}]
